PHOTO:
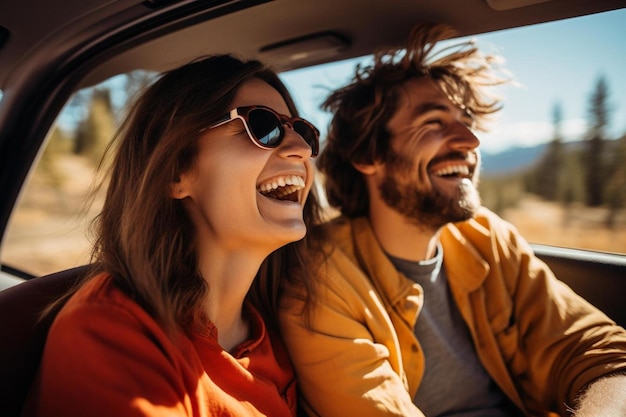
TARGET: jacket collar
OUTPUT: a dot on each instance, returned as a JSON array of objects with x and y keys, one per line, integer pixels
[
  {"x": 464, "y": 264},
  {"x": 465, "y": 268},
  {"x": 371, "y": 257}
]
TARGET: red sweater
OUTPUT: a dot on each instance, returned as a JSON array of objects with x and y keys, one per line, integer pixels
[{"x": 105, "y": 356}]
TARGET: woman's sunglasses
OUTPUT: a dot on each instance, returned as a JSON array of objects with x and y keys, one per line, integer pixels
[{"x": 266, "y": 128}]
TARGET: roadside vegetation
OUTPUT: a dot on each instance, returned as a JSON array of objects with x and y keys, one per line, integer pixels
[{"x": 574, "y": 195}]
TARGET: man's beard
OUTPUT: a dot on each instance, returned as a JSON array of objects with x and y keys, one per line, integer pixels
[{"x": 430, "y": 208}]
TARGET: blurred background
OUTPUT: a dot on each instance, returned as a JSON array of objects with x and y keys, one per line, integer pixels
[{"x": 554, "y": 163}]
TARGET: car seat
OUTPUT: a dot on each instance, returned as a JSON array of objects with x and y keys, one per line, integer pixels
[{"x": 23, "y": 332}]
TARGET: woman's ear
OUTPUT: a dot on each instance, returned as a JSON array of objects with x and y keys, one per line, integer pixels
[{"x": 179, "y": 188}]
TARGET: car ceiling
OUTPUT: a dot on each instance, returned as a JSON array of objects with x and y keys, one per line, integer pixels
[{"x": 37, "y": 29}]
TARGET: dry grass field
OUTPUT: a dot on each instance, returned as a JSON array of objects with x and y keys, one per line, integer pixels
[
  {"x": 575, "y": 227},
  {"x": 49, "y": 230}
]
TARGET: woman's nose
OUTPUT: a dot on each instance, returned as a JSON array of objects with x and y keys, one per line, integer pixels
[{"x": 293, "y": 145}]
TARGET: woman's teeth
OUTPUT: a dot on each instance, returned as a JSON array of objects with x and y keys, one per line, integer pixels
[{"x": 283, "y": 188}]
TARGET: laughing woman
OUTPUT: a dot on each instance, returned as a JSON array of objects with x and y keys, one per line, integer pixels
[{"x": 210, "y": 179}]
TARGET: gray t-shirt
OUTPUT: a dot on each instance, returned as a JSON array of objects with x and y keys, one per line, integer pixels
[{"x": 455, "y": 383}]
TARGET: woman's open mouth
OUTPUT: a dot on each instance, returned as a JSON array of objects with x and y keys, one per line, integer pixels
[{"x": 284, "y": 188}]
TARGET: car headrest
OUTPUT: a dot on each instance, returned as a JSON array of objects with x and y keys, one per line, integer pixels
[{"x": 23, "y": 332}]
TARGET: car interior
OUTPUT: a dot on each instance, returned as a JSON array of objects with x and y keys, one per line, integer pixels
[{"x": 51, "y": 49}]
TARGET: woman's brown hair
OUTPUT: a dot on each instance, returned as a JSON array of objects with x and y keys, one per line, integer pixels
[{"x": 143, "y": 237}]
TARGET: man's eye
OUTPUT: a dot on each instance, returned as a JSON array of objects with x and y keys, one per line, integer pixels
[
  {"x": 437, "y": 122},
  {"x": 468, "y": 120}
]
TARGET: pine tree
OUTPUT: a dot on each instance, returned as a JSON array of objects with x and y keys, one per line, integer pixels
[
  {"x": 615, "y": 192},
  {"x": 97, "y": 128},
  {"x": 549, "y": 168},
  {"x": 594, "y": 163}
]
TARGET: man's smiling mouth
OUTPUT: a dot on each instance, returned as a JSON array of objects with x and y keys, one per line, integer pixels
[
  {"x": 454, "y": 171},
  {"x": 284, "y": 188},
  {"x": 454, "y": 165}
]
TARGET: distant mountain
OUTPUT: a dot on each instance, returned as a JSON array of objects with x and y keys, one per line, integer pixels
[
  {"x": 516, "y": 159},
  {"x": 510, "y": 160}
]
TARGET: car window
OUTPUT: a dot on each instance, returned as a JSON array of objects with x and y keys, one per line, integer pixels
[
  {"x": 49, "y": 229},
  {"x": 552, "y": 163}
]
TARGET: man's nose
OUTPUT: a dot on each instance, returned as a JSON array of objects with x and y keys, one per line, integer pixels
[{"x": 463, "y": 137}]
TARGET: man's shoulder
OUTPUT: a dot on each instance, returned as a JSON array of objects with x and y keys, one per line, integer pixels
[
  {"x": 338, "y": 224},
  {"x": 344, "y": 233},
  {"x": 344, "y": 238},
  {"x": 483, "y": 230},
  {"x": 484, "y": 221},
  {"x": 339, "y": 230}
]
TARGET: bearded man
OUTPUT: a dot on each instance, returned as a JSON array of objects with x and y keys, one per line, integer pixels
[{"x": 426, "y": 303}]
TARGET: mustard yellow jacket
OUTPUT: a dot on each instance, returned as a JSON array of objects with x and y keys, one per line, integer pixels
[{"x": 539, "y": 341}]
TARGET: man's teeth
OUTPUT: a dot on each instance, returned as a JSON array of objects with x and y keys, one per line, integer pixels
[
  {"x": 287, "y": 184},
  {"x": 453, "y": 170}
]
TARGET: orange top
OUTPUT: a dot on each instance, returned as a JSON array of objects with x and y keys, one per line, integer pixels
[{"x": 105, "y": 356}]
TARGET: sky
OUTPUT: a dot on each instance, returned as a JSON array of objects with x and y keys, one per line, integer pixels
[{"x": 558, "y": 62}]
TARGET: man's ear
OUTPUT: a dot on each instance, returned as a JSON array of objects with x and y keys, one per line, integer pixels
[{"x": 365, "y": 169}]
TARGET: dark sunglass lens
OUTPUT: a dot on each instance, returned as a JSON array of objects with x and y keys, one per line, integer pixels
[
  {"x": 265, "y": 127},
  {"x": 308, "y": 134}
]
